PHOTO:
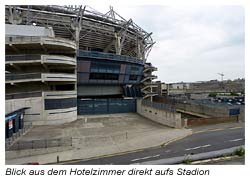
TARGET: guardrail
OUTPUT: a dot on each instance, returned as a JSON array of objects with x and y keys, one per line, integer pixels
[
  {"x": 40, "y": 40},
  {"x": 56, "y": 59},
  {"x": 42, "y": 76},
  {"x": 9, "y": 77},
  {"x": 21, "y": 39},
  {"x": 23, "y": 57},
  {"x": 108, "y": 56}
]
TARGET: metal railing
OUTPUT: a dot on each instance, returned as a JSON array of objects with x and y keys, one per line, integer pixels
[
  {"x": 9, "y": 77},
  {"x": 108, "y": 56},
  {"x": 10, "y": 141},
  {"x": 23, "y": 57},
  {"x": 42, "y": 76},
  {"x": 22, "y": 39},
  {"x": 39, "y": 144},
  {"x": 37, "y": 39},
  {"x": 159, "y": 105}
]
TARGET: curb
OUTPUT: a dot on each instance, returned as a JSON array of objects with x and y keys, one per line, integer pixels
[
  {"x": 196, "y": 157},
  {"x": 216, "y": 159},
  {"x": 177, "y": 139}
]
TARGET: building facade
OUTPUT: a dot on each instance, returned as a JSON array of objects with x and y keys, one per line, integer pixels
[{"x": 64, "y": 60}]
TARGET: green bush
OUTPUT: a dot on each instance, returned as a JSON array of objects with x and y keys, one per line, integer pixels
[
  {"x": 240, "y": 151},
  {"x": 187, "y": 161}
]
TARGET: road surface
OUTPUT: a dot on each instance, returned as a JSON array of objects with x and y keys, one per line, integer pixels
[{"x": 198, "y": 142}]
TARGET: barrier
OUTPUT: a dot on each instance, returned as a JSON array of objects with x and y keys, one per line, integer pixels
[{"x": 39, "y": 144}]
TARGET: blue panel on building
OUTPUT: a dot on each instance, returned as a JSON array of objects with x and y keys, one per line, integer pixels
[
  {"x": 234, "y": 111},
  {"x": 106, "y": 106},
  {"x": 14, "y": 122}
]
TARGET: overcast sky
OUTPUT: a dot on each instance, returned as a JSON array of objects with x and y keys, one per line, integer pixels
[{"x": 192, "y": 43}]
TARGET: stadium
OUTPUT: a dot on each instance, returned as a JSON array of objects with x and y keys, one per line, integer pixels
[{"x": 64, "y": 61}]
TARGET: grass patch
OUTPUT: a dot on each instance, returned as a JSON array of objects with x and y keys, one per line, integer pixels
[
  {"x": 187, "y": 161},
  {"x": 240, "y": 151}
]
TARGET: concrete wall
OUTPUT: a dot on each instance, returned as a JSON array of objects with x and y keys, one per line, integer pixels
[
  {"x": 59, "y": 116},
  {"x": 161, "y": 116},
  {"x": 37, "y": 113},
  {"x": 26, "y": 30}
]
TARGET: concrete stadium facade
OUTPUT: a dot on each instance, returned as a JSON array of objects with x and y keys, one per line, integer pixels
[{"x": 64, "y": 60}]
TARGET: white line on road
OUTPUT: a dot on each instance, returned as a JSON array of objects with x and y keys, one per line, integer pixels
[
  {"x": 147, "y": 157},
  {"x": 219, "y": 129},
  {"x": 198, "y": 147},
  {"x": 193, "y": 148},
  {"x": 206, "y": 145},
  {"x": 234, "y": 140},
  {"x": 236, "y": 128}
]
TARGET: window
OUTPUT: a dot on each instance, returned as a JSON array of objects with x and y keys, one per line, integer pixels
[
  {"x": 133, "y": 77},
  {"x": 105, "y": 68},
  {"x": 60, "y": 103},
  {"x": 134, "y": 70},
  {"x": 103, "y": 76}
]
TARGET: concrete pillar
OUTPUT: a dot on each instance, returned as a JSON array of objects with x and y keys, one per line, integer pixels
[
  {"x": 77, "y": 37},
  {"x": 139, "y": 53},
  {"x": 185, "y": 123},
  {"x": 118, "y": 44}
]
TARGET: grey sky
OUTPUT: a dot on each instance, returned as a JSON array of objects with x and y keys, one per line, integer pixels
[{"x": 193, "y": 43}]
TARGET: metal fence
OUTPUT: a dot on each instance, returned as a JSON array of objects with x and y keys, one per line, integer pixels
[
  {"x": 159, "y": 105},
  {"x": 201, "y": 102},
  {"x": 9, "y": 77},
  {"x": 38, "y": 144},
  {"x": 10, "y": 141},
  {"x": 22, "y": 57}
]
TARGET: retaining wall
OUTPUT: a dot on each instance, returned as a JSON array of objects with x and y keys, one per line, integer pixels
[{"x": 164, "y": 117}]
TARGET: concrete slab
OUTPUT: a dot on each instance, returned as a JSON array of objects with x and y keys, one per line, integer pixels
[{"x": 101, "y": 136}]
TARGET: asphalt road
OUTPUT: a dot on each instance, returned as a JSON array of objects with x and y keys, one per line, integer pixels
[{"x": 199, "y": 142}]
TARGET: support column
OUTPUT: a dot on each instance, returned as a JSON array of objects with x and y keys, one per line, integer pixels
[
  {"x": 118, "y": 44},
  {"x": 77, "y": 36}
]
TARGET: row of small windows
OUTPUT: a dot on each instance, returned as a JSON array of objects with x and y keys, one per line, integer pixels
[
  {"x": 105, "y": 68},
  {"x": 102, "y": 76},
  {"x": 107, "y": 76},
  {"x": 60, "y": 103},
  {"x": 134, "y": 70}
]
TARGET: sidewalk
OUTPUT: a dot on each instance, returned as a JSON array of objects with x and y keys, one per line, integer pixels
[{"x": 103, "y": 136}]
